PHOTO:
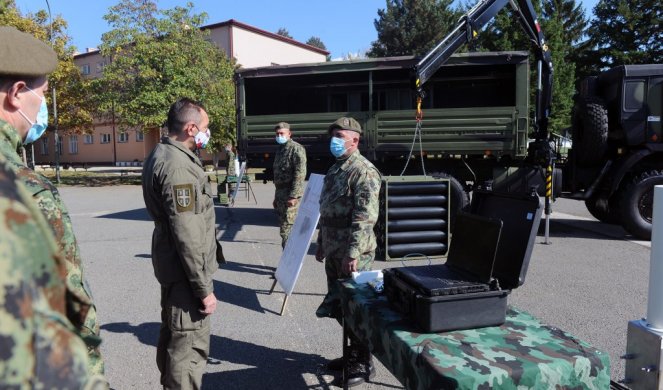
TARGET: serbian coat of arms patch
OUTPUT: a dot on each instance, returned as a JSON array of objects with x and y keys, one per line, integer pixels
[{"x": 183, "y": 197}]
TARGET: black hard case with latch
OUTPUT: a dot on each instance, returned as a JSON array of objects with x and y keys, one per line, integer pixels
[{"x": 520, "y": 215}]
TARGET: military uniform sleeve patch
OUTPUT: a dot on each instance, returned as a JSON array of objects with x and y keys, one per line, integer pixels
[{"x": 183, "y": 197}]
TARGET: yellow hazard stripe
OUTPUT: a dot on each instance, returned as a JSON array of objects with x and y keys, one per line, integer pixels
[{"x": 549, "y": 182}]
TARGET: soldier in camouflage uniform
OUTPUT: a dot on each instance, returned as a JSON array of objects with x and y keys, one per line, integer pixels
[
  {"x": 39, "y": 346},
  {"x": 178, "y": 197},
  {"x": 289, "y": 175},
  {"x": 349, "y": 207},
  {"x": 80, "y": 309},
  {"x": 230, "y": 161}
]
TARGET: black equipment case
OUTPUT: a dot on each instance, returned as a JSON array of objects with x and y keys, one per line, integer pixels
[{"x": 409, "y": 289}]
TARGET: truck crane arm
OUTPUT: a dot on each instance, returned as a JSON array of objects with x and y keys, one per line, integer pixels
[{"x": 467, "y": 29}]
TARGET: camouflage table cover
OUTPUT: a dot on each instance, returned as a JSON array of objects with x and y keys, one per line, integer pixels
[{"x": 521, "y": 354}]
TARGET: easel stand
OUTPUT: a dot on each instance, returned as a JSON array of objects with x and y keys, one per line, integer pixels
[{"x": 285, "y": 299}]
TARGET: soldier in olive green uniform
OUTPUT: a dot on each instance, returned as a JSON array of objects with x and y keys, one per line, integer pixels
[
  {"x": 349, "y": 208},
  {"x": 178, "y": 197},
  {"x": 39, "y": 345},
  {"x": 289, "y": 175}
]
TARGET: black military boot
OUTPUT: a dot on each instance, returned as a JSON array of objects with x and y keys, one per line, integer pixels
[
  {"x": 360, "y": 372},
  {"x": 360, "y": 369}
]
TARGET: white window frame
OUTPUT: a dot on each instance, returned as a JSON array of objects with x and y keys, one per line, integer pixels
[
  {"x": 105, "y": 138},
  {"x": 85, "y": 69},
  {"x": 140, "y": 136},
  {"x": 73, "y": 144},
  {"x": 123, "y": 137},
  {"x": 88, "y": 139}
]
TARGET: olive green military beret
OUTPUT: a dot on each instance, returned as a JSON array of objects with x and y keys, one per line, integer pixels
[
  {"x": 282, "y": 125},
  {"x": 345, "y": 124},
  {"x": 24, "y": 55}
]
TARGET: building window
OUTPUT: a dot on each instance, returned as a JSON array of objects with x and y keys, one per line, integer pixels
[
  {"x": 100, "y": 66},
  {"x": 105, "y": 138},
  {"x": 88, "y": 139},
  {"x": 44, "y": 146},
  {"x": 139, "y": 136},
  {"x": 59, "y": 146},
  {"x": 73, "y": 144},
  {"x": 85, "y": 69},
  {"x": 124, "y": 137}
]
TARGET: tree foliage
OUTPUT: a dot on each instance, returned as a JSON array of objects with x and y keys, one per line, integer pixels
[
  {"x": 407, "y": 27},
  {"x": 284, "y": 33},
  {"x": 74, "y": 108},
  {"x": 624, "y": 32},
  {"x": 157, "y": 56},
  {"x": 316, "y": 42},
  {"x": 562, "y": 23}
]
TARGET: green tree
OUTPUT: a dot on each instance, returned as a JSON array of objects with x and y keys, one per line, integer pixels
[
  {"x": 157, "y": 56},
  {"x": 407, "y": 27},
  {"x": 74, "y": 107},
  {"x": 284, "y": 33},
  {"x": 316, "y": 42},
  {"x": 562, "y": 23},
  {"x": 625, "y": 32}
]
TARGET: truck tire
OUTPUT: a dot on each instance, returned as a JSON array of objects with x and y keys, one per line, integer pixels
[
  {"x": 459, "y": 199},
  {"x": 637, "y": 203},
  {"x": 590, "y": 131},
  {"x": 605, "y": 210}
]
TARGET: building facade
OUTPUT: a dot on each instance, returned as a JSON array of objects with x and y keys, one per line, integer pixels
[{"x": 106, "y": 145}]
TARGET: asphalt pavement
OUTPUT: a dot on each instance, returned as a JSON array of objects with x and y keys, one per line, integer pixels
[{"x": 589, "y": 281}]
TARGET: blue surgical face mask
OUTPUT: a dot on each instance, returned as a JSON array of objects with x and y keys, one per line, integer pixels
[
  {"x": 337, "y": 147},
  {"x": 281, "y": 139},
  {"x": 38, "y": 127}
]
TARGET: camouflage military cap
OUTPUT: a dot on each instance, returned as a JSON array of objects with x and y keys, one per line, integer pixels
[
  {"x": 345, "y": 124},
  {"x": 24, "y": 55},
  {"x": 282, "y": 125}
]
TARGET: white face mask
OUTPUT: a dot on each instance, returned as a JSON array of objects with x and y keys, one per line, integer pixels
[{"x": 202, "y": 138}]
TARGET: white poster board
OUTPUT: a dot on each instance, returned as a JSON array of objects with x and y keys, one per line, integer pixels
[
  {"x": 231, "y": 200},
  {"x": 299, "y": 240}
]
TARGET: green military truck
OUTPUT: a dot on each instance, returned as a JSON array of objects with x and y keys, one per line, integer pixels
[
  {"x": 617, "y": 154},
  {"x": 475, "y": 127},
  {"x": 475, "y": 114}
]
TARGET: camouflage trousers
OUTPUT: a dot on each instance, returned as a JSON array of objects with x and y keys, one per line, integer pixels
[
  {"x": 331, "y": 304},
  {"x": 90, "y": 333},
  {"x": 286, "y": 216},
  {"x": 184, "y": 338},
  {"x": 84, "y": 316}
]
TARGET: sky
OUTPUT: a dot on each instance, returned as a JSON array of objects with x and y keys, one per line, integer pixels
[{"x": 344, "y": 26}]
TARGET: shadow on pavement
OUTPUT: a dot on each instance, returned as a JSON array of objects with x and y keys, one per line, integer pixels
[
  {"x": 237, "y": 296},
  {"x": 131, "y": 215},
  {"x": 260, "y": 367},
  {"x": 231, "y": 220},
  {"x": 147, "y": 333},
  {"x": 578, "y": 228},
  {"x": 249, "y": 268}
]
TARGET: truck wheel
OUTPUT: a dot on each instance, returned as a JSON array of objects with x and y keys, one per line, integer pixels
[
  {"x": 590, "y": 131},
  {"x": 605, "y": 210},
  {"x": 637, "y": 204},
  {"x": 459, "y": 199}
]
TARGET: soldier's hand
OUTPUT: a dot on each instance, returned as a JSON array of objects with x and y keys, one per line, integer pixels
[
  {"x": 292, "y": 202},
  {"x": 349, "y": 265},
  {"x": 319, "y": 255},
  {"x": 209, "y": 304}
]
